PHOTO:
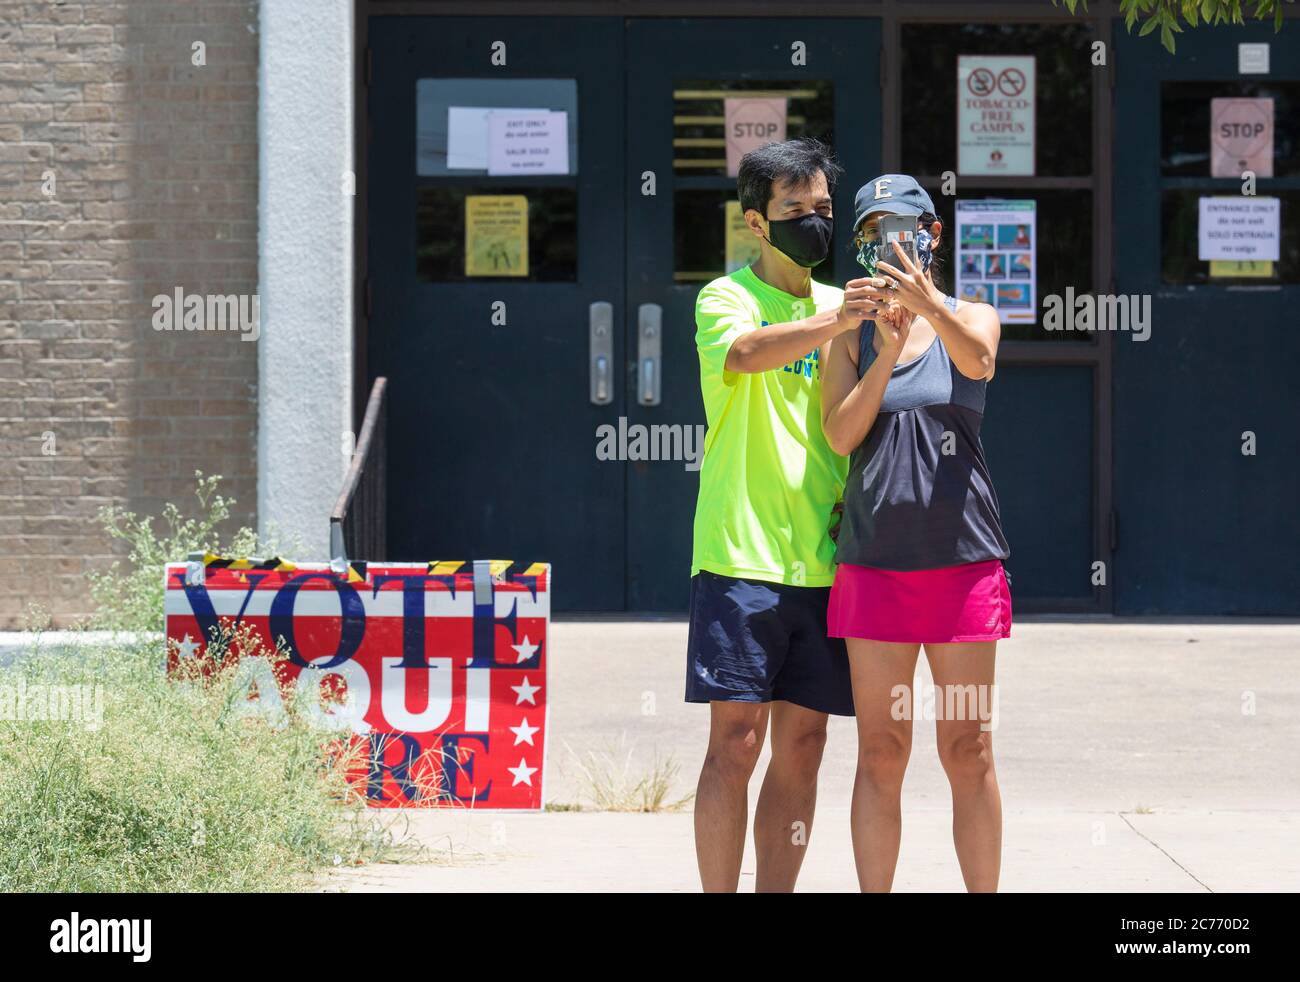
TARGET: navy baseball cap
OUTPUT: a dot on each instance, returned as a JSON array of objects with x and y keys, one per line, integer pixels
[{"x": 896, "y": 194}]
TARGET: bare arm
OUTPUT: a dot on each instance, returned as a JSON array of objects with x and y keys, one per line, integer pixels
[
  {"x": 780, "y": 344},
  {"x": 850, "y": 404},
  {"x": 971, "y": 335}
]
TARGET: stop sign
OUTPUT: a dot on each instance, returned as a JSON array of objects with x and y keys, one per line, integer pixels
[{"x": 1241, "y": 137}]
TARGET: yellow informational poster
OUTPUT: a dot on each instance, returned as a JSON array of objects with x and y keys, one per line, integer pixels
[
  {"x": 1244, "y": 267},
  {"x": 742, "y": 244},
  {"x": 496, "y": 235}
]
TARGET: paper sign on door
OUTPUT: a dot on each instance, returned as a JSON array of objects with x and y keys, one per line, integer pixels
[
  {"x": 750, "y": 124},
  {"x": 1238, "y": 228},
  {"x": 1241, "y": 137},
  {"x": 742, "y": 244},
  {"x": 529, "y": 142},
  {"x": 496, "y": 235}
]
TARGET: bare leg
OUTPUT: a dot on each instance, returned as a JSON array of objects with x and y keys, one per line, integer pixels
[
  {"x": 884, "y": 743},
  {"x": 783, "y": 820},
  {"x": 963, "y": 676},
  {"x": 736, "y": 732}
]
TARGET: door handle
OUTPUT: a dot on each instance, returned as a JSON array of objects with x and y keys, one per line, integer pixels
[
  {"x": 649, "y": 353},
  {"x": 600, "y": 329}
]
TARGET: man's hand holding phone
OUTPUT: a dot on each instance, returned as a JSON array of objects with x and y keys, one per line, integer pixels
[
  {"x": 887, "y": 301},
  {"x": 862, "y": 301}
]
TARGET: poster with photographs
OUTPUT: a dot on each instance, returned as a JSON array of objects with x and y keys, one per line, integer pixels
[{"x": 996, "y": 264}]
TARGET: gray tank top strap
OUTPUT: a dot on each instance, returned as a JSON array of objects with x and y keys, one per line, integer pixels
[{"x": 866, "y": 339}]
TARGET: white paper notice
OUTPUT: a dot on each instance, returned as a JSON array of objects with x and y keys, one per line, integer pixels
[
  {"x": 1241, "y": 227},
  {"x": 467, "y": 136},
  {"x": 528, "y": 142}
]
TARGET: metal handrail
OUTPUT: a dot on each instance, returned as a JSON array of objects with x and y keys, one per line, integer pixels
[{"x": 358, "y": 523}]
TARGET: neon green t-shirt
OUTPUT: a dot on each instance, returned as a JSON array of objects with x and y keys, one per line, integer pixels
[{"x": 768, "y": 480}]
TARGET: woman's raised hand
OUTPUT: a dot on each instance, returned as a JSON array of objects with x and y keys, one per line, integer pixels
[
  {"x": 894, "y": 324},
  {"x": 907, "y": 284}
]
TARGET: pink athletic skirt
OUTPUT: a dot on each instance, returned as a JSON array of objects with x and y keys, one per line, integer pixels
[{"x": 970, "y": 602}]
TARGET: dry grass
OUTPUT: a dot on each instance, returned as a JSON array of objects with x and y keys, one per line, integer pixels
[{"x": 611, "y": 781}]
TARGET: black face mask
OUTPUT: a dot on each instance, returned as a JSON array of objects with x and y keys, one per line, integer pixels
[{"x": 806, "y": 239}]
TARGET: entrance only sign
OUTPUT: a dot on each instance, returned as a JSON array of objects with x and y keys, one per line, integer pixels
[
  {"x": 1239, "y": 228},
  {"x": 437, "y": 670}
]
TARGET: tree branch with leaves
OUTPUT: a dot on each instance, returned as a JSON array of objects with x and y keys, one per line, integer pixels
[{"x": 1169, "y": 16}]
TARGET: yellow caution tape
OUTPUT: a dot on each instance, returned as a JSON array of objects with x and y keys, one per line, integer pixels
[{"x": 275, "y": 563}]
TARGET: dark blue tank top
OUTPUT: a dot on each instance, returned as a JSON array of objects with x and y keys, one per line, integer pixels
[{"x": 919, "y": 495}]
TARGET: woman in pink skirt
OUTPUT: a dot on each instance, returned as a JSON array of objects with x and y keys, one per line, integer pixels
[{"x": 920, "y": 548}]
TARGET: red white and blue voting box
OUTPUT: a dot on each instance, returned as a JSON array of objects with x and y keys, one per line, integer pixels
[{"x": 437, "y": 669}]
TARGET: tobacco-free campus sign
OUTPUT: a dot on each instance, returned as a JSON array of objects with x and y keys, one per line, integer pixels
[
  {"x": 995, "y": 114},
  {"x": 436, "y": 672}
]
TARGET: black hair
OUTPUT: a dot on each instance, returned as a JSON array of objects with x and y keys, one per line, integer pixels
[
  {"x": 927, "y": 220},
  {"x": 795, "y": 161}
]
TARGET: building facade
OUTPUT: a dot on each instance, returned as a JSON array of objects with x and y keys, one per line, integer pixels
[
  {"x": 340, "y": 161},
  {"x": 128, "y": 169}
]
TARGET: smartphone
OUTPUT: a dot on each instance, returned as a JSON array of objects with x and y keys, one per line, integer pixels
[{"x": 900, "y": 229}]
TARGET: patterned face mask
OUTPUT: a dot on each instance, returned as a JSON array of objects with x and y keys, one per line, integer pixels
[{"x": 869, "y": 253}]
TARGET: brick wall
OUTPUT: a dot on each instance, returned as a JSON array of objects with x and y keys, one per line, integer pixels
[{"x": 153, "y": 162}]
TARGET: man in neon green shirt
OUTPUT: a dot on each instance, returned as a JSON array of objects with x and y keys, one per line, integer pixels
[{"x": 762, "y": 564}]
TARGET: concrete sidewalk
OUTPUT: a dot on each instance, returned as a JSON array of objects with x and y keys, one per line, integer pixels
[
  {"x": 1132, "y": 756},
  {"x": 1043, "y": 850}
]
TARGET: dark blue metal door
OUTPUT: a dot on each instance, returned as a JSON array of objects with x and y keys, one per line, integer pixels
[
  {"x": 1204, "y": 528},
  {"x": 492, "y": 424}
]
